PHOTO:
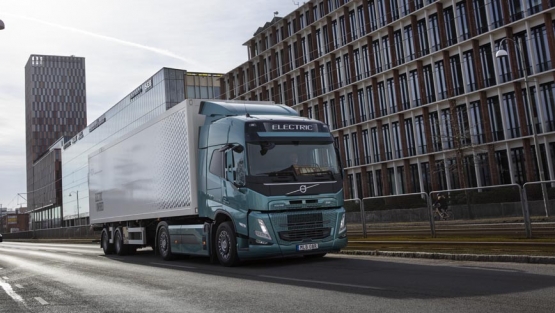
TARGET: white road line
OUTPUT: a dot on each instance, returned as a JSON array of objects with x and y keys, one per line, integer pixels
[
  {"x": 8, "y": 289},
  {"x": 6, "y": 278},
  {"x": 41, "y": 300},
  {"x": 19, "y": 286},
  {"x": 171, "y": 265},
  {"x": 322, "y": 282}
]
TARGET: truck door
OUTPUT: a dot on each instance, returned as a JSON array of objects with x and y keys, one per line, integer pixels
[{"x": 214, "y": 179}]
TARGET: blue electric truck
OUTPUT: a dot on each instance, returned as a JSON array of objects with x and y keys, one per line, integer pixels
[{"x": 230, "y": 180}]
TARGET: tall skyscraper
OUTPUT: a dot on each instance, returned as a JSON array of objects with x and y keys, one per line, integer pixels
[{"x": 55, "y": 106}]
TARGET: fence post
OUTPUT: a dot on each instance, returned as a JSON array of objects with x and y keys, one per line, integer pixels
[
  {"x": 431, "y": 210},
  {"x": 363, "y": 218},
  {"x": 525, "y": 211}
]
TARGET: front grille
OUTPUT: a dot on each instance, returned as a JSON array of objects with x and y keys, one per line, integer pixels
[
  {"x": 302, "y": 226},
  {"x": 300, "y": 235}
]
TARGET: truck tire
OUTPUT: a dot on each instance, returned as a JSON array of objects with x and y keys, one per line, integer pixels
[
  {"x": 226, "y": 245},
  {"x": 164, "y": 244},
  {"x": 119, "y": 247},
  {"x": 107, "y": 247}
]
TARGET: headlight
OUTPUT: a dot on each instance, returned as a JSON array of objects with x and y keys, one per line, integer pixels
[
  {"x": 264, "y": 231},
  {"x": 342, "y": 226}
]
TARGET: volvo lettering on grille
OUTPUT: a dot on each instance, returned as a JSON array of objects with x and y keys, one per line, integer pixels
[{"x": 302, "y": 189}]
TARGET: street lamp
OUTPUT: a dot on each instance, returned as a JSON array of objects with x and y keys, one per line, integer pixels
[
  {"x": 502, "y": 53},
  {"x": 77, "y": 192}
]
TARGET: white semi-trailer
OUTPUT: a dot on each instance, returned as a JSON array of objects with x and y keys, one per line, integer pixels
[{"x": 228, "y": 180}]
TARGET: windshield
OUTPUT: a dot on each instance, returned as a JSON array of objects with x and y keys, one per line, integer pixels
[{"x": 269, "y": 158}]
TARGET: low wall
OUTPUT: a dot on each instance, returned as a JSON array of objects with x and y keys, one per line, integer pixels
[{"x": 76, "y": 232}]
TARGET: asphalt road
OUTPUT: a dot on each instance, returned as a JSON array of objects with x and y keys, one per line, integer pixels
[{"x": 79, "y": 278}]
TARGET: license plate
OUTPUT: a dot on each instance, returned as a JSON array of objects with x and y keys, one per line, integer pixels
[{"x": 307, "y": 247}]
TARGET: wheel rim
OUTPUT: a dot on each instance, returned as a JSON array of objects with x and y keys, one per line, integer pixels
[{"x": 224, "y": 245}]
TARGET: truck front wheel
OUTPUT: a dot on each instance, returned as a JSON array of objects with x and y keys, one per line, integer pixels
[
  {"x": 164, "y": 244},
  {"x": 226, "y": 245}
]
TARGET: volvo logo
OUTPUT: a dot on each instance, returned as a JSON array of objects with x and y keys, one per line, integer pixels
[{"x": 302, "y": 189}]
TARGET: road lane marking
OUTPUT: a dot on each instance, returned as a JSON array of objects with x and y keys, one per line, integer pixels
[
  {"x": 19, "y": 286},
  {"x": 8, "y": 289},
  {"x": 41, "y": 300},
  {"x": 182, "y": 266},
  {"x": 322, "y": 282},
  {"x": 6, "y": 278}
]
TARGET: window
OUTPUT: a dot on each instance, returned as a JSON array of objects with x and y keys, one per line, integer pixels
[
  {"x": 387, "y": 142},
  {"x": 343, "y": 30},
  {"x": 370, "y": 178},
  {"x": 387, "y": 52},
  {"x": 429, "y": 84},
  {"x": 381, "y": 13},
  {"x": 356, "y": 58},
  {"x": 494, "y": 112},
  {"x": 377, "y": 55},
  {"x": 366, "y": 61},
  {"x": 409, "y": 133},
  {"x": 404, "y": 90},
  {"x": 370, "y": 99},
  {"x": 217, "y": 163},
  {"x": 503, "y": 65},
  {"x": 487, "y": 65},
  {"x": 348, "y": 161},
  {"x": 354, "y": 27},
  {"x": 447, "y": 139},
  {"x": 469, "y": 73},
  {"x": 366, "y": 143},
  {"x": 373, "y": 17},
  {"x": 434, "y": 33},
  {"x": 391, "y": 99},
  {"x": 480, "y": 16},
  {"x": 409, "y": 44},
  {"x": 511, "y": 115},
  {"x": 547, "y": 97},
  {"x": 515, "y": 10},
  {"x": 517, "y": 158},
  {"x": 541, "y": 49},
  {"x": 381, "y": 99},
  {"x": 437, "y": 139},
  {"x": 344, "y": 115},
  {"x": 414, "y": 88},
  {"x": 476, "y": 127},
  {"x": 361, "y": 105},
  {"x": 398, "y": 43},
  {"x": 495, "y": 11},
  {"x": 440, "y": 79},
  {"x": 397, "y": 140},
  {"x": 463, "y": 131},
  {"x": 375, "y": 144},
  {"x": 361, "y": 21},
  {"x": 449, "y": 24},
  {"x": 462, "y": 21},
  {"x": 350, "y": 101},
  {"x": 420, "y": 135},
  {"x": 356, "y": 154},
  {"x": 339, "y": 74},
  {"x": 423, "y": 37},
  {"x": 347, "y": 69}
]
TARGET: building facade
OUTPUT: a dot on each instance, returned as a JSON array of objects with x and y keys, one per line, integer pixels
[
  {"x": 153, "y": 97},
  {"x": 55, "y": 106},
  {"x": 413, "y": 91}
]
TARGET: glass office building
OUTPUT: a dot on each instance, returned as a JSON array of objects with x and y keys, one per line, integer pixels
[{"x": 153, "y": 97}]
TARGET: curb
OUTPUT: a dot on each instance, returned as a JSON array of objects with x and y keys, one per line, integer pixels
[{"x": 456, "y": 257}]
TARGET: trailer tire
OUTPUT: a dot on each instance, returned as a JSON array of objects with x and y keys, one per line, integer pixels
[
  {"x": 107, "y": 247},
  {"x": 226, "y": 245},
  {"x": 164, "y": 244},
  {"x": 119, "y": 247}
]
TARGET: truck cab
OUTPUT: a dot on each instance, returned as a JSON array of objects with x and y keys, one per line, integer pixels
[{"x": 271, "y": 181}]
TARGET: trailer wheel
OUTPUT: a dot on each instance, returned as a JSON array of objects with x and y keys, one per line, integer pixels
[
  {"x": 118, "y": 243},
  {"x": 226, "y": 245},
  {"x": 164, "y": 244},
  {"x": 107, "y": 247}
]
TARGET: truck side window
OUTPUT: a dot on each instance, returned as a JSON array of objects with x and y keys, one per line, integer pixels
[{"x": 217, "y": 163}]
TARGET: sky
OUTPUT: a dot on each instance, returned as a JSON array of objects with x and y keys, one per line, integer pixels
[{"x": 123, "y": 42}]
